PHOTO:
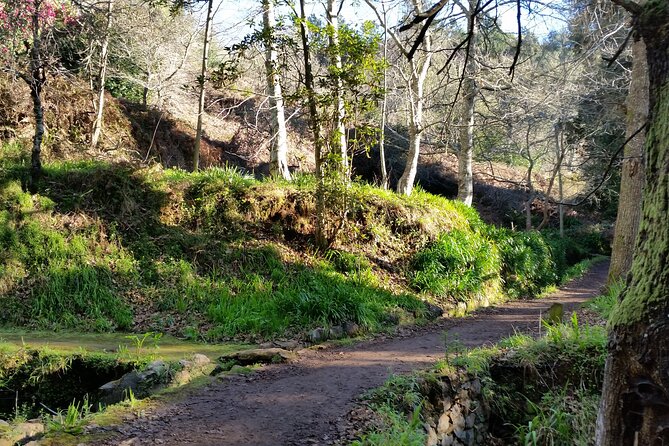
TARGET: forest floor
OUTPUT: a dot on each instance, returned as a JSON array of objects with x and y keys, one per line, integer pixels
[{"x": 309, "y": 401}]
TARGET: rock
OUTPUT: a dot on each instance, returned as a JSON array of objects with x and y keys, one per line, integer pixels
[
  {"x": 141, "y": 383},
  {"x": 266, "y": 345},
  {"x": 239, "y": 370},
  {"x": 200, "y": 360},
  {"x": 476, "y": 387},
  {"x": 288, "y": 345},
  {"x": 336, "y": 332},
  {"x": 448, "y": 441},
  {"x": 433, "y": 311},
  {"x": 256, "y": 356},
  {"x": 351, "y": 329},
  {"x": 470, "y": 420},
  {"x": 554, "y": 314},
  {"x": 29, "y": 429},
  {"x": 444, "y": 424},
  {"x": 457, "y": 419},
  {"x": 3, "y": 423},
  {"x": 317, "y": 335},
  {"x": 432, "y": 439}
]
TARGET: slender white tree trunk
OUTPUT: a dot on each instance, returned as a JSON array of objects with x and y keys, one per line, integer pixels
[
  {"x": 102, "y": 76},
  {"x": 406, "y": 182},
  {"x": 340, "y": 113},
  {"x": 466, "y": 137},
  {"x": 202, "y": 83},
  {"x": 278, "y": 163},
  {"x": 384, "y": 107}
]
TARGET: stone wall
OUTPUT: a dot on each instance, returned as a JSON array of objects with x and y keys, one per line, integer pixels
[{"x": 456, "y": 413}]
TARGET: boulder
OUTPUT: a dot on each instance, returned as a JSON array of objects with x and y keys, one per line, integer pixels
[
  {"x": 141, "y": 383},
  {"x": 259, "y": 356},
  {"x": 351, "y": 329},
  {"x": 336, "y": 332},
  {"x": 317, "y": 335},
  {"x": 433, "y": 311}
]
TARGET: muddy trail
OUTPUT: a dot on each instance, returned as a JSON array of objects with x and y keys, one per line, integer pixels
[{"x": 306, "y": 402}]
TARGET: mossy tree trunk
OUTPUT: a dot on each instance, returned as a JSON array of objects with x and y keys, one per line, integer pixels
[
  {"x": 635, "y": 399},
  {"x": 633, "y": 170}
]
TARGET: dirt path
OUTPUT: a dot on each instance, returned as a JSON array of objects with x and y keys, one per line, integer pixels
[{"x": 304, "y": 403}]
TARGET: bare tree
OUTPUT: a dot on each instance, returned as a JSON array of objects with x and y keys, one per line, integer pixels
[
  {"x": 202, "y": 83},
  {"x": 415, "y": 79},
  {"x": 102, "y": 76},
  {"x": 278, "y": 164}
]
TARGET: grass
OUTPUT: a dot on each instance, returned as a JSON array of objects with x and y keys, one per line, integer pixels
[
  {"x": 542, "y": 390},
  {"x": 218, "y": 255},
  {"x": 606, "y": 303}
]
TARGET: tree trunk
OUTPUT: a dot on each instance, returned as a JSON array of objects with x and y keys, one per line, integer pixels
[
  {"x": 634, "y": 408},
  {"x": 466, "y": 138},
  {"x": 384, "y": 107},
  {"x": 202, "y": 83},
  {"x": 102, "y": 75},
  {"x": 418, "y": 75},
  {"x": 340, "y": 112},
  {"x": 466, "y": 143},
  {"x": 315, "y": 128},
  {"x": 36, "y": 80},
  {"x": 278, "y": 164},
  {"x": 632, "y": 177}
]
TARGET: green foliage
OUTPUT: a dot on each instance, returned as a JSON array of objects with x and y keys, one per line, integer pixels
[
  {"x": 606, "y": 303},
  {"x": 397, "y": 430},
  {"x": 527, "y": 262},
  {"x": 562, "y": 418},
  {"x": 72, "y": 422},
  {"x": 458, "y": 264}
]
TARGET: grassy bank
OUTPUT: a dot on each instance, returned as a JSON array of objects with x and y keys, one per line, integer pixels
[{"x": 218, "y": 255}]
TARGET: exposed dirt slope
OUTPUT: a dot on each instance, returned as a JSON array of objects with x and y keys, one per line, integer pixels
[{"x": 304, "y": 403}]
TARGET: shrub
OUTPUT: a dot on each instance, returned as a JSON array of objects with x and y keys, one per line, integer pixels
[
  {"x": 527, "y": 262},
  {"x": 458, "y": 264}
]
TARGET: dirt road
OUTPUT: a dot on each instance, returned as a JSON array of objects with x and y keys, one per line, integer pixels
[{"x": 303, "y": 403}]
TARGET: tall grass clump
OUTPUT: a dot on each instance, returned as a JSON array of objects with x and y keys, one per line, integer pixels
[
  {"x": 527, "y": 262},
  {"x": 459, "y": 264},
  {"x": 605, "y": 303}
]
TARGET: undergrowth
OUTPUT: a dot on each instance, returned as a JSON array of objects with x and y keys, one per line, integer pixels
[
  {"x": 537, "y": 391},
  {"x": 218, "y": 254}
]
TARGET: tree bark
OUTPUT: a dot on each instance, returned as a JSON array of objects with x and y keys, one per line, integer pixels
[
  {"x": 278, "y": 164},
  {"x": 315, "y": 128},
  {"x": 466, "y": 137},
  {"x": 340, "y": 109},
  {"x": 635, "y": 401},
  {"x": 384, "y": 107},
  {"x": 633, "y": 172},
  {"x": 102, "y": 75},
  {"x": 202, "y": 83},
  {"x": 36, "y": 80}
]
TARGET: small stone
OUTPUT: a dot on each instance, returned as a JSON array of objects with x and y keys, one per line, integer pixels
[
  {"x": 351, "y": 329},
  {"x": 432, "y": 439},
  {"x": 457, "y": 419},
  {"x": 448, "y": 441},
  {"x": 317, "y": 335},
  {"x": 288, "y": 345},
  {"x": 336, "y": 332},
  {"x": 444, "y": 424},
  {"x": 200, "y": 360},
  {"x": 470, "y": 420},
  {"x": 433, "y": 311},
  {"x": 476, "y": 386}
]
